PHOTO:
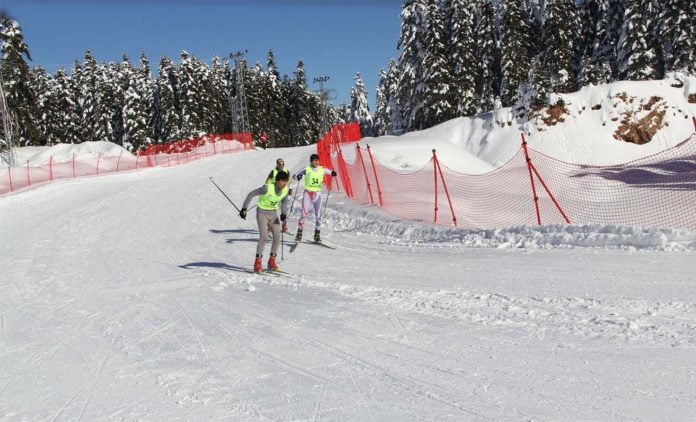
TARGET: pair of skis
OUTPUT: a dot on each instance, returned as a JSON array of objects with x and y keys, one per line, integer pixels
[{"x": 296, "y": 244}]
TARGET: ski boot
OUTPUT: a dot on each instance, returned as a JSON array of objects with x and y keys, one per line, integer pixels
[
  {"x": 258, "y": 267},
  {"x": 298, "y": 238},
  {"x": 272, "y": 266},
  {"x": 285, "y": 227},
  {"x": 317, "y": 237}
]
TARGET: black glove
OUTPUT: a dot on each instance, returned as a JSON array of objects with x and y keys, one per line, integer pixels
[
  {"x": 283, "y": 217},
  {"x": 242, "y": 213},
  {"x": 299, "y": 177},
  {"x": 333, "y": 173}
]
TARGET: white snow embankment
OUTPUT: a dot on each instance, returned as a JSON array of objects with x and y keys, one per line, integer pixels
[
  {"x": 85, "y": 151},
  {"x": 364, "y": 220}
]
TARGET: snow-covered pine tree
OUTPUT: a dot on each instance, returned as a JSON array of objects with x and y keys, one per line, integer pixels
[
  {"x": 67, "y": 117},
  {"x": 596, "y": 50},
  {"x": 254, "y": 81},
  {"x": 435, "y": 106},
  {"x": 412, "y": 43},
  {"x": 276, "y": 132},
  {"x": 677, "y": 35},
  {"x": 137, "y": 109},
  {"x": 637, "y": 59},
  {"x": 122, "y": 75},
  {"x": 45, "y": 113},
  {"x": 105, "y": 105},
  {"x": 191, "y": 80},
  {"x": 392, "y": 96},
  {"x": 516, "y": 44},
  {"x": 299, "y": 126},
  {"x": 486, "y": 58},
  {"x": 136, "y": 129},
  {"x": 15, "y": 79},
  {"x": 381, "y": 105},
  {"x": 560, "y": 35},
  {"x": 359, "y": 109},
  {"x": 219, "y": 94},
  {"x": 458, "y": 17},
  {"x": 167, "y": 115}
]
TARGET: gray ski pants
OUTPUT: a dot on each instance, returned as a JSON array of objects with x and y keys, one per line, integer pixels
[{"x": 268, "y": 221}]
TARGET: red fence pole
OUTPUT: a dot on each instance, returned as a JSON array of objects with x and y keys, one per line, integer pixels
[
  {"x": 118, "y": 161},
  {"x": 435, "y": 179},
  {"x": 531, "y": 178},
  {"x": 374, "y": 170},
  {"x": 73, "y": 164},
  {"x": 50, "y": 168},
  {"x": 444, "y": 185},
  {"x": 9, "y": 174},
  {"x": 28, "y": 178},
  {"x": 693, "y": 119},
  {"x": 344, "y": 173},
  {"x": 549, "y": 192},
  {"x": 369, "y": 188},
  {"x": 98, "y": 159}
]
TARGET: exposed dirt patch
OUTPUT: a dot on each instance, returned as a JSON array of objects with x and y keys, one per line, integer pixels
[
  {"x": 641, "y": 131},
  {"x": 692, "y": 98},
  {"x": 554, "y": 114},
  {"x": 597, "y": 107}
]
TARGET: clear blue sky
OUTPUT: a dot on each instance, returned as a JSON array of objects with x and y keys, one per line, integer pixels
[{"x": 334, "y": 38}]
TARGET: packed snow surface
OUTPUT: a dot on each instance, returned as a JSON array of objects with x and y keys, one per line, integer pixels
[{"x": 128, "y": 297}]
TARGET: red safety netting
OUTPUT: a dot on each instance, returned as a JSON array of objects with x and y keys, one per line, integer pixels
[
  {"x": 532, "y": 188},
  {"x": 174, "y": 153}
]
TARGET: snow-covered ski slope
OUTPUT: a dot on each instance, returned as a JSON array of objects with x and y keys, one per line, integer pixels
[{"x": 126, "y": 297}]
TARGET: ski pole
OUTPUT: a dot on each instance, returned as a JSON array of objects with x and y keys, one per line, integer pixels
[
  {"x": 282, "y": 244},
  {"x": 224, "y": 194},
  {"x": 294, "y": 197},
  {"x": 228, "y": 198},
  {"x": 328, "y": 193}
]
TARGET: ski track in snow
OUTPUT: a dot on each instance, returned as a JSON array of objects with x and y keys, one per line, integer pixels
[{"x": 137, "y": 304}]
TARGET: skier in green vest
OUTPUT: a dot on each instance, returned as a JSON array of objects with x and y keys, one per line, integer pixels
[
  {"x": 311, "y": 199},
  {"x": 280, "y": 166},
  {"x": 270, "y": 196}
]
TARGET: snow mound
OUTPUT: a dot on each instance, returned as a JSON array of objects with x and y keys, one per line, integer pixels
[
  {"x": 83, "y": 151},
  {"x": 364, "y": 221},
  {"x": 587, "y": 127}
]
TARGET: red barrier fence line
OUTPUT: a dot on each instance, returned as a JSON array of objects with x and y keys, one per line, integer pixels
[
  {"x": 435, "y": 185},
  {"x": 185, "y": 152},
  {"x": 374, "y": 170}
]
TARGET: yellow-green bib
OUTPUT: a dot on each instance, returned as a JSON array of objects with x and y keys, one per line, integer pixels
[
  {"x": 269, "y": 201},
  {"x": 313, "y": 178}
]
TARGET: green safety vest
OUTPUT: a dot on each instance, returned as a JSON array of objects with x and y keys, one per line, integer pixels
[
  {"x": 273, "y": 177},
  {"x": 269, "y": 201},
  {"x": 313, "y": 178}
]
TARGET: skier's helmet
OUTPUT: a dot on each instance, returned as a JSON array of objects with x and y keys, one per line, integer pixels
[
  {"x": 313, "y": 157},
  {"x": 282, "y": 175}
]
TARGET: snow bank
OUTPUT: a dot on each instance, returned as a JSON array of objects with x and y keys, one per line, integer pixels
[
  {"x": 84, "y": 151},
  {"x": 583, "y": 134},
  {"x": 368, "y": 221}
]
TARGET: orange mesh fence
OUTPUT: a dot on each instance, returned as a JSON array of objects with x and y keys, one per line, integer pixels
[
  {"x": 532, "y": 188},
  {"x": 179, "y": 152}
]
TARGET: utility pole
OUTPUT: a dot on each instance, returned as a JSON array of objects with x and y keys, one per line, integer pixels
[
  {"x": 325, "y": 95},
  {"x": 7, "y": 153},
  {"x": 239, "y": 114}
]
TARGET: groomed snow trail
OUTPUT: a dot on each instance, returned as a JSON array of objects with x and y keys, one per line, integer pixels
[{"x": 127, "y": 297}]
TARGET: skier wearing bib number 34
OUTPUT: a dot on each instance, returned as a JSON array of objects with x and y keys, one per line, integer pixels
[
  {"x": 270, "y": 196},
  {"x": 311, "y": 199}
]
